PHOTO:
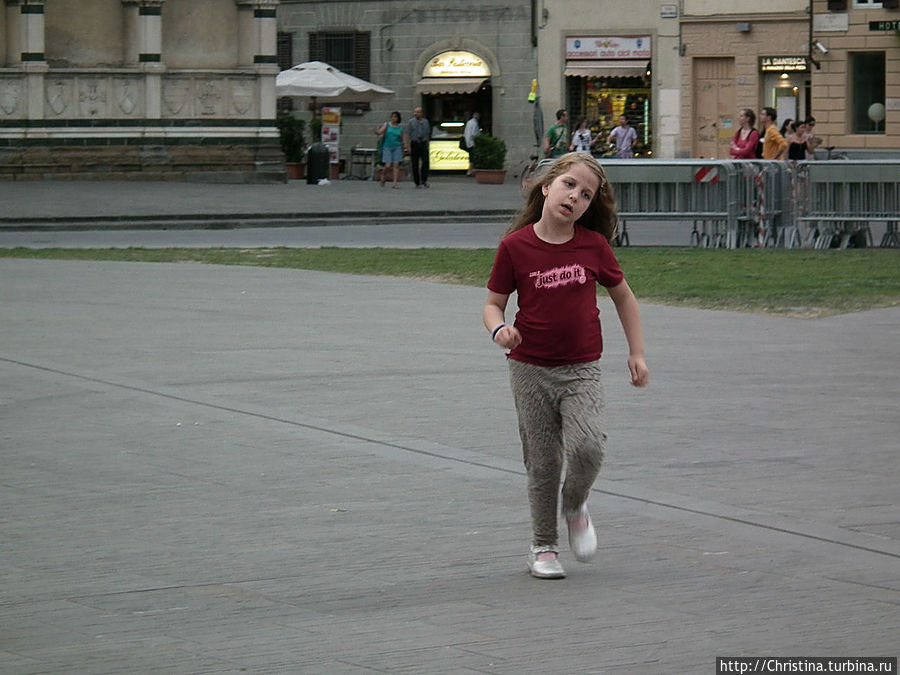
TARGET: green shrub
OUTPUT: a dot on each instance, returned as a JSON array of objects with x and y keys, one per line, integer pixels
[
  {"x": 293, "y": 140},
  {"x": 489, "y": 152}
]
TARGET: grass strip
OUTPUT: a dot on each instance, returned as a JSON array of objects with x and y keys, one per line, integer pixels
[{"x": 807, "y": 283}]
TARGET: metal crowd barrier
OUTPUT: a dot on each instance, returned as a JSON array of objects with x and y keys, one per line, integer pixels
[
  {"x": 761, "y": 203},
  {"x": 845, "y": 197},
  {"x": 702, "y": 192}
]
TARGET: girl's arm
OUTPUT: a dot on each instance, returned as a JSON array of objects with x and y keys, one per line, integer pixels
[
  {"x": 493, "y": 315},
  {"x": 630, "y": 316}
]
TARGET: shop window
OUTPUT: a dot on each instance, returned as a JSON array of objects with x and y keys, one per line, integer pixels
[
  {"x": 601, "y": 100},
  {"x": 866, "y": 88}
]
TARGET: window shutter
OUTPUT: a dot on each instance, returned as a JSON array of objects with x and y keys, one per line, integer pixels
[
  {"x": 285, "y": 50},
  {"x": 285, "y": 55},
  {"x": 316, "y": 46},
  {"x": 361, "y": 55}
]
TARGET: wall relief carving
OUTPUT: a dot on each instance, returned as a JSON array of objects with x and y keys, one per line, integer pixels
[
  {"x": 10, "y": 97},
  {"x": 59, "y": 95},
  {"x": 243, "y": 95}
]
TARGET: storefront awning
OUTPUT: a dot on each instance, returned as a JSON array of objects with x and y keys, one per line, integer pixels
[
  {"x": 449, "y": 85},
  {"x": 610, "y": 68}
]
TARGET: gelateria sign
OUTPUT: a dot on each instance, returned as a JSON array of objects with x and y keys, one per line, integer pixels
[
  {"x": 456, "y": 64},
  {"x": 608, "y": 47}
]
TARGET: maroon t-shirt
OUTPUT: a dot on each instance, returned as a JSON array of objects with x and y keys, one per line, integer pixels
[{"x": 558, "y": 315}]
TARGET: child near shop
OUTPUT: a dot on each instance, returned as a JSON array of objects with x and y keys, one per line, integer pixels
[{"x": 553, "y": 256}]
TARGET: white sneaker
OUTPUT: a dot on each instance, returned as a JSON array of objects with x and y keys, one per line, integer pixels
[
  {"x": 543, "y": 562},
  {"x": 582, "y": 537}
]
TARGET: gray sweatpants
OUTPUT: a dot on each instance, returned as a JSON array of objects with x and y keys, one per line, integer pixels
[{"x": 562, "y": 422}]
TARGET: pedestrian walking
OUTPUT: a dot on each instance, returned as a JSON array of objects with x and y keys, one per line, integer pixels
[
  {"x": 553, "y": 256},
  {"x": 556, "y": 140},
  {"x": 581, "y": 137},
  {"x": 625, "y": 138},
  {"x": 391, "y": 148},
  {"x": 470, "y": 131},
  {"x": 418, "y": 137}
]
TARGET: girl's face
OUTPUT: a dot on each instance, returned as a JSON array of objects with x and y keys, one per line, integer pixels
[
  {"x": 395, "y": 118},
  {"x": 569, "y": 195}
]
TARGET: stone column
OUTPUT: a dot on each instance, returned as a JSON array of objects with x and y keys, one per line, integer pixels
[
  {"x": 143, "y": 48},
  {"x": 257, "y": 47},
  {"x": 26, "y": 50},
  {"x": 13, "y": 54},
  {"x": 31, "y": 31},
  {"x": 257, "y": 32}
]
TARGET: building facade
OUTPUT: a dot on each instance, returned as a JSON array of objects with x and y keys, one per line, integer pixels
[
  {"x": 835, "y": 60},
  {"x": 186, "y": 88},
  {"x": 856, "y": 75},
  {"x": 733, "y": 57},
  {"x": 452, "y": 57},
  {"x": 160, "y": 88},
  {"x": 600, "y": 62}
]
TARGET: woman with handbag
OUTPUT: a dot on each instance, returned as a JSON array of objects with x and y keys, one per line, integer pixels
[{"x": 392, "y": 147}]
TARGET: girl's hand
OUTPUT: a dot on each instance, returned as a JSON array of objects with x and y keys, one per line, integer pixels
[
  {"x": 508, "y": 337},
  {"x": 640, "y": 374}
]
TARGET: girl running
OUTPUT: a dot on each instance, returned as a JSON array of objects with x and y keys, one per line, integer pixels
[{"x": 553, "y": 256}]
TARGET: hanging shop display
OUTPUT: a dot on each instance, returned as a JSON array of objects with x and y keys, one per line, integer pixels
[{"x": 607, "y": 77}]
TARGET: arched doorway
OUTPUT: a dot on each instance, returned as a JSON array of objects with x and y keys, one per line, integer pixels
[{"x": 453, "y": 85}]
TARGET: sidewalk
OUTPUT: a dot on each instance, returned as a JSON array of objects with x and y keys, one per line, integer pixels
[
  {"x": 234, "y": 469},
  {"x": 93, "y": 204}
]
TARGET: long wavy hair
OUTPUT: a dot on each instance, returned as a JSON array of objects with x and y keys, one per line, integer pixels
[{"x": 600, "y": 215}]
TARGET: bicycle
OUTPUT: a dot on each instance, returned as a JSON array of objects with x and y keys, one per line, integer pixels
[{"x": 527, "y": 171}]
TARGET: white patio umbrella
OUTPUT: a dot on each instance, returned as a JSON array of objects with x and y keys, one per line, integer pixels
[{"x": 315, "y": 80}]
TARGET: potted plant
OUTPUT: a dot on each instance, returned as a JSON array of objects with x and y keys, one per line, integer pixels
[
  {"x": 489, "y": 158},
  {"x": 293, "y": 144}
]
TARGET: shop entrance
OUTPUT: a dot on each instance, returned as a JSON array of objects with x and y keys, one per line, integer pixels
[
  {"x": 448, "y": 113},
  {"x": 601, "y": 100},
  {"x": 454, "y": 84}
]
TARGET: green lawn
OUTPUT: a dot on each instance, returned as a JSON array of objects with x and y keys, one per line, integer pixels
[{"x": 798, "y": 283}]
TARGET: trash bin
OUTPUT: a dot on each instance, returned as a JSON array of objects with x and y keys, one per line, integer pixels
[{"x": 317, "y": 160}]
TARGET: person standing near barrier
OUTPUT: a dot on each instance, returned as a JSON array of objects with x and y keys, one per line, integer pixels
[
  {"x": 553, "y": 256},
  {"x": 581, "y": 137},
  {"x": 798, "y": 141},
  {"x": 418, "y": 136},
  {"x": 813, "y": 141},
  {"x": 556, "y": 141},
  {"x": 746, "y": 138},
  {"x": 774, "y": 145},
  {"x": 625, "y": 138},
  {"x": 786, "y": 127}
]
